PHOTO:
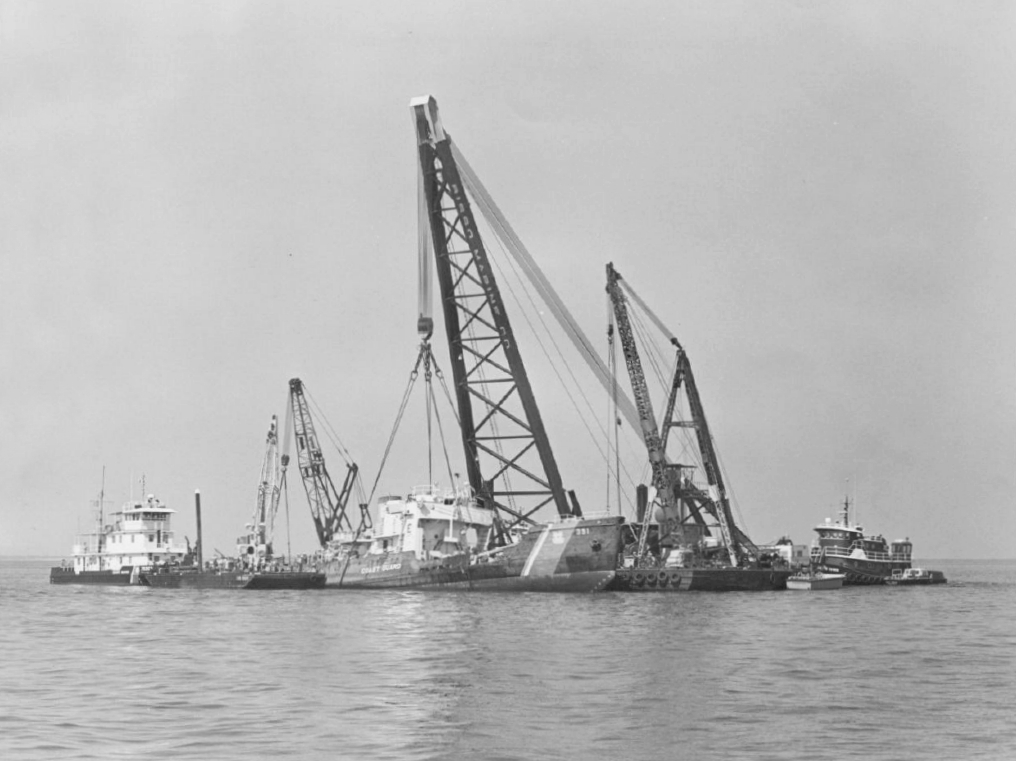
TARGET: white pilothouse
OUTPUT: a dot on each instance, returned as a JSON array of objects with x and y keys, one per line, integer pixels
[{"x": 139, "y": 535}]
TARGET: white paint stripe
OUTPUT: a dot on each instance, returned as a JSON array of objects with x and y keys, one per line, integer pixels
[
  {"x": 558, "y": 545},
  {"x": 535, "y": 551}
]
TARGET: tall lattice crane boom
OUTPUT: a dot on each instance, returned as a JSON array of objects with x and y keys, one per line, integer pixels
[
  {"x": 643, "y": 403},
  {"x": 327, "y": 504},
  {"x": 663, "y": 473},
  {"x": 509, "y": 461},
  {"x": 268, "y": 489}
]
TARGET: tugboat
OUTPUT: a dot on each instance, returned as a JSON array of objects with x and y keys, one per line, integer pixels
[
  {"x": 116, "y": 553},
  {"x": 843, "y": 548}
]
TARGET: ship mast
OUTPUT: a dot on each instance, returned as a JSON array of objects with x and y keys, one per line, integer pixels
[
  {"x": 102, "y": 496},
  {"x": 268, "y": 491},
  {"x": 508, "y": 455}
]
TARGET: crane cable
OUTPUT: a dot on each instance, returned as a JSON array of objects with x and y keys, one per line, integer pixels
[
  {"x": 398, "y": 419},
  {"x": 425, "y": 357},
  {"x": 557, "y": 350}
]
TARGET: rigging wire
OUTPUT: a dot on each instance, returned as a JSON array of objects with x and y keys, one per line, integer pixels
[
  {"x": 547, "y": 353},
  {"x": 289, "y": 544},
  {"x": 332, "y": 435},
  {"x": 440, "y": 428},
  {"x": 612, "y": 412},
  {"x": 687, "y": 445},
  {"x": 398, "y": 419}
]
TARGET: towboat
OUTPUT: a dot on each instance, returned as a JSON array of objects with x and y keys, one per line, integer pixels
[
  {"x": 137, "y": 537},
  {"x": 843, "y": 547}
]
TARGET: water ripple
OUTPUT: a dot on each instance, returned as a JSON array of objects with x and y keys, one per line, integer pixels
[{"x": 127, "y": 673}]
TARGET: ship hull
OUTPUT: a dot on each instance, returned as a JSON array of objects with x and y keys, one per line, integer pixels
[
  {"x": 864, "y": 572},
  {"x": 234, "y": 580},
  {"x": 928, "y": 577},
  {"x": 816, "y": 582},
  {"x": 572, "y": 556},
  {"x": 60, "y": 575},
  {"x": 700, "y": 580}
]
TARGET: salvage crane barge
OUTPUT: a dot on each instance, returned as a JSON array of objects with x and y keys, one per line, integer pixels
[{"x": 690, "y": 540}]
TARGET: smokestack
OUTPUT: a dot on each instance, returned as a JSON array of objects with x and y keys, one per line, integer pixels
[{"x": 201, "y": 544}]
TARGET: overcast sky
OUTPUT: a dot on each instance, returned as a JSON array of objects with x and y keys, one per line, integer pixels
[{"x": 199, "y": 201}]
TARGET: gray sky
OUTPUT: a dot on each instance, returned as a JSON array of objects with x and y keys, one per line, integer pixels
[{"x": 200, "y": 201}]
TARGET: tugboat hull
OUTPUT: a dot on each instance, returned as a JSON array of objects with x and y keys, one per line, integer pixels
[
  {"x": 700, "y": 580},
  {"x": 861, "y": 572}
]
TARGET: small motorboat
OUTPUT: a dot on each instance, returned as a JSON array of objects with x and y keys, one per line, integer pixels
[
  {"x": 915, "y": 576},
  {"x": 815, "y": 580}
]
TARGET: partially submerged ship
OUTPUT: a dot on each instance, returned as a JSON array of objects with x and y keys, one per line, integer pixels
[
  {"x": 432, "y": 538},
  {"x": 843, "y": 547},
  {"x": 137, "y": 536}
]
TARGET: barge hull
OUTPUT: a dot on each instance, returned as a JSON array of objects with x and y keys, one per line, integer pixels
[
  {"x": 234, "y": 580},
  {"x": 700, "y": 580},
  {"x": 58, "y": 575}
]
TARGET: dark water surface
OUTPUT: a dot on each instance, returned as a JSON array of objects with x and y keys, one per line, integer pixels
[{"x": 879, "y": 673}]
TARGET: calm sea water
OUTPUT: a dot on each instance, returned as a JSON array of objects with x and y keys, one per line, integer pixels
[{"x": 881, "y": 673}]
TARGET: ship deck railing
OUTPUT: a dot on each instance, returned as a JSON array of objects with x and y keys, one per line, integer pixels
[
  {"x": 846, "y": 552},
  {"x": 592, "y": 516}
]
